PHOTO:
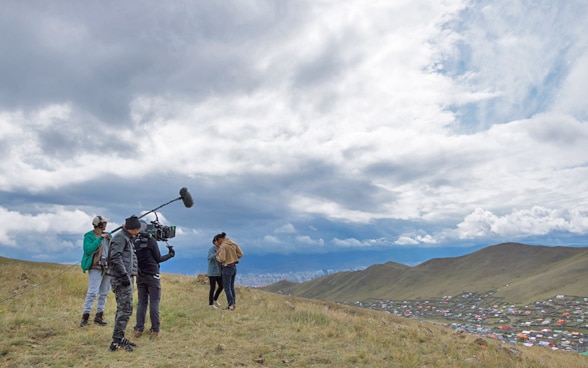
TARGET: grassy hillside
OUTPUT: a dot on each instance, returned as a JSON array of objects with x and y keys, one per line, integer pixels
[
  {"x": 521, "y": 274},
  {"x": 40, "y": 306}
]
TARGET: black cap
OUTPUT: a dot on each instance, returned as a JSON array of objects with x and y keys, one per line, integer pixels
[{"x": 132, "y": 223}]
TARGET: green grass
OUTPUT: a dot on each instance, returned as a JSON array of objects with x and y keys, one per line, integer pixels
[{"x": 40, "y": 308}]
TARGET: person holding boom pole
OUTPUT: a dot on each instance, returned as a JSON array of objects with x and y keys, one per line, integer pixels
[{"x": 123, "y": 269}]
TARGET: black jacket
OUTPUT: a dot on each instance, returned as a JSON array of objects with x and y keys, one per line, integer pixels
[
  {"x": 122, "y": 261},
  {"x": 148, "y": 255}
]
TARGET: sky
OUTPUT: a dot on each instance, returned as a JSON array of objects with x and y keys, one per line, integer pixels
[{"x": 330, "y": 134}]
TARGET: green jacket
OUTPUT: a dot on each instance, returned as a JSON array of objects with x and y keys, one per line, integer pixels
[{"x": 91, "y": 245}]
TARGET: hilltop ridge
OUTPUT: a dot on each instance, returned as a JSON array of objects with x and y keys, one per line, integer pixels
[{"x": 517, "y": 272}]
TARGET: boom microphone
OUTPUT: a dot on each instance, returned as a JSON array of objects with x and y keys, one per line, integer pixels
[{"x": 186, "y": 197}]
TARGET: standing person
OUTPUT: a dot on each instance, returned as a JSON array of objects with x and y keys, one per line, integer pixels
[
  {"x": 96, "y": 244},
  {"x": 148, "y": 284},
  {"x": 122, "y": 263},
  {"x": 214, "y": 277},
  {"x": 228, "y": 255}
]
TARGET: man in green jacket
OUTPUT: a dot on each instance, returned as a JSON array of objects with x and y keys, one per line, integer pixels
[{"x": 96, "y": 243}]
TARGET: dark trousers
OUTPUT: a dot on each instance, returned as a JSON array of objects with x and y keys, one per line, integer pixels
[
  {"x": 124, "y": 307},
  {"x": 229, "y": 274},
  {"x": 149, "y": 293},
  {"x": 214, "y": 281}
]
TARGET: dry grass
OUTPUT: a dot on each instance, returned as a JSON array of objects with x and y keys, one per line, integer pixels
[
  {"x": 40, "y": 308},
  {"x": 533, "y": 273}
]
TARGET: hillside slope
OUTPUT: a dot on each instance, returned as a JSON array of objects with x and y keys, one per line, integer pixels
[
  {"x": 520, "y": 273},
  {"x": 40, "y": 307}
]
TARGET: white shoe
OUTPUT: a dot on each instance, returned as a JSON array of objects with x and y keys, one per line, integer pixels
[
  {"x": 217, "y": 303},
  {"x": 213, "y": 306}
]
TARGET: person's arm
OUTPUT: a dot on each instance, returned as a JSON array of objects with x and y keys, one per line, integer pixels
[
  {"x": 116, "y": 264},
  {"x": 91, "y": 243},
  {"x": 221, "y": 254},
  {"x": 212, "y": 253},
  {"x": 157, "y": 254}
]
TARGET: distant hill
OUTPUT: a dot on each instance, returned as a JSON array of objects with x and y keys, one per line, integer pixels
[{"x": 520, "y": 273}]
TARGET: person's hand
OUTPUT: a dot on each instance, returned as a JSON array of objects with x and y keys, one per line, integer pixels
[
  {"x": 172, "y": 252},
  {"x": 126, "y": 281}
]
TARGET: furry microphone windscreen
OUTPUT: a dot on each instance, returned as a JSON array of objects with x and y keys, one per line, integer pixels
[{"x": 186, "y": 197}]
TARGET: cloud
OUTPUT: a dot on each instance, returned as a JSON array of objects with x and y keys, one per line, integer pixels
[
  {"x": 285, "y": 229},
  {"x": 271, "y": 239},
  {"x": 415, "y": 240},
  {"x": 394, "y": 124},
  {"x": 520, "y": 223},
  {"x": 305, "y": 239}
]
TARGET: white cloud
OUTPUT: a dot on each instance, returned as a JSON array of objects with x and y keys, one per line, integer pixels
[
  {"x": 415, "y": 239},
  {"x": 350, "y": 242},
  {"x": 569, "y": 98},
  {"x": 453, "y": 114},
  {"x": 51, "y": 220},
  {"x": 356, "y": 243},
  {"x": 285, "y": 229},
  {"x": 271, "y": 239},
  {"x": 520, "y": 223},
  {"x": 406, "y": 240},
  {"x": 305, "y": 239}
]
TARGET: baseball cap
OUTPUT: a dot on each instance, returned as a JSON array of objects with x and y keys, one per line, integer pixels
[{"x": 98, "y": 219}]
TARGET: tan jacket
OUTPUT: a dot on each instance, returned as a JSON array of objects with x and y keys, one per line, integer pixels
[{"x": 229, "y": 252}]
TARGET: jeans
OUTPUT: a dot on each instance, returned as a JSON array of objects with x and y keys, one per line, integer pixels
[
  {"x": 98, "y": 286},
  {"x": 124, "y": 307},
  {"x": 214, "y": 281},
  {"x": 229, "y": 273},
  {"x": 149, "y": 292}
]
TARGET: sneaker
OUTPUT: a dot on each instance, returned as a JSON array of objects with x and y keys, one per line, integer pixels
[
  {"x": 116, "y": 346},
  {"x": 137, "y": 333},
  {"x": 216, "y": 303},
  {"x": 232, "y": 307},
  {"x": 213, "y": 306},
  {"x": 127, "y": 342},
  {"x": 154, "y": 334}
]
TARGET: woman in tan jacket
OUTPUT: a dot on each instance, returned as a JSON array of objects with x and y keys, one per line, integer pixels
[{"x": 228, "y": 255}]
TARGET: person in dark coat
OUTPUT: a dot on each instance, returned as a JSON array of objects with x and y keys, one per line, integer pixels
[
  {"x": 122, "y": 267},
  {"x": 148, "y": 281}
]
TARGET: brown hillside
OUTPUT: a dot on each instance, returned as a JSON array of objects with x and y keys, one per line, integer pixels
[
  {"x": 531, "y": 273},
  {"x": 330, "y": 287},
  {"x": 40, "y": 310}
]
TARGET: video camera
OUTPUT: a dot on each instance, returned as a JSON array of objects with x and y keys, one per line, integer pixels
[
  {"x": 160, "y": 232},
  {"x": 156, "y": 231}
]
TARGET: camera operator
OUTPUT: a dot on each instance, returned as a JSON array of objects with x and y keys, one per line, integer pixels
[{"x": 148, "y": 280}]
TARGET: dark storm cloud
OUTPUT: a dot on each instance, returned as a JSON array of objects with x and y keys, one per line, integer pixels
[{"x": 100, "y": 55}]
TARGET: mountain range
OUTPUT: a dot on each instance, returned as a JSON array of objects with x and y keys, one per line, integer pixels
[{"x": 517, "y": 272}]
